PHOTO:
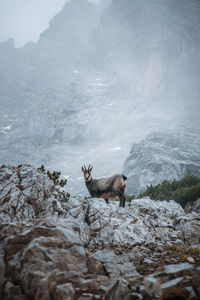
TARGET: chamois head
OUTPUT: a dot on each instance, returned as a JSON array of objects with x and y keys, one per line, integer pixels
[{"x": 87, "y": 172}]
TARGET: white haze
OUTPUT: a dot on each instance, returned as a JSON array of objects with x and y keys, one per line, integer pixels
[
  {"x": 99, "y": 79},
  {"x": 24, "y": 20}
]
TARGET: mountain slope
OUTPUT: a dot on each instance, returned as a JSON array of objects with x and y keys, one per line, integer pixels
[
  {"x": 98, "y": 79},
  {"x": 162, "y": 156}
]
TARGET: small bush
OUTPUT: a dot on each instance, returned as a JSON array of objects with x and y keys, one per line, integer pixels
[
  {"x": 42, "y": 169},
  {"x": 53, "y": 176}
]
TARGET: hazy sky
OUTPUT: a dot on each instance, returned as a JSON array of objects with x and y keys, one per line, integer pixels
[{"x": 24, "y": 20}]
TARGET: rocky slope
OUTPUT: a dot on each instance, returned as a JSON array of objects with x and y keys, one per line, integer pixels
[
  {"x": 162, "y": 156},
  {"x": 54, "y": 247}
]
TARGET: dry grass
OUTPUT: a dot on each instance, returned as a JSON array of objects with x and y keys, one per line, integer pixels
[
  {"x": 171, "y": 254},
  {"x": 181, "y": 253}
]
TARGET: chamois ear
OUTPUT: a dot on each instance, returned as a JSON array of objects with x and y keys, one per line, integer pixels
[
  {"x": 91, "y": 168},
  {"x": 82, "y": 169}
]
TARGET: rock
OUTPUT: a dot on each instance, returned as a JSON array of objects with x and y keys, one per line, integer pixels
[
  {"x": 133, "y": 296},
  {"x": 159, "y": 286},
  {"x": 64, "y": 291},
  {"x": 188, "y": 226},
  {"x": 95, "y": 266},
  {"x": 152, "y": 287},
  {"x": 13, "y": 292},
  {"x": 27, "y": 194},
  {"x": 51, "y": 259},
  {"x": 179, "y": 269},
  {"x": 86, "y": 297},
  {"x": 190, "y": 260},
  {"x": 148, "y": 261},
  {"x": 161, "y": 156},
  {"x": 193, "y": 206},
  {"x": 171, "y": 283},
  {"x": 173, "y": 288},
  {"x": 196, "y": 282},
  {"x": 85, "y": 249},
  {"x": 2, "y": 268},
  {"x": 192, "y": 294},
  {"x": 119, "y": 290}
]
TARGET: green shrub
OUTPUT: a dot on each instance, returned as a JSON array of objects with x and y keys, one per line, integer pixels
[
  {"x": 184, "y": 195},
  {"x": 182, "y": 191},
  {"x": 53, "y": 176}
]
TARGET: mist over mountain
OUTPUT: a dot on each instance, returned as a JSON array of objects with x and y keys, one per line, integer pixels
[
  {"x": 99, "y": 79},
  {"x": 162, "y": 156}
]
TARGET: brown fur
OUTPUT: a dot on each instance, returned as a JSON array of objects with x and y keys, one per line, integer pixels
[{"x": 107, "y": 195}]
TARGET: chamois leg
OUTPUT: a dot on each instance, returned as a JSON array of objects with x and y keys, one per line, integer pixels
[
  {"x": 121, "y": 201},
  {"x": 106, "y": 200},
  {"x": 122, "y": 198},
  {"x": 124, "y": 201}
]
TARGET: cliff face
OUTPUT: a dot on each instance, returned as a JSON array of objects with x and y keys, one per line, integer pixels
[
  {"x": 98, "y": 80},
  {"x": 53, "y": 247},
  {"x": 161, "y": 156}
]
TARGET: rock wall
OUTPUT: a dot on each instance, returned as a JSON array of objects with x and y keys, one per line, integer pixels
[
  {"x": 28, "y": 194},
  {"x": 161, "y": 156},
  {"x": 53, "y": 247}
]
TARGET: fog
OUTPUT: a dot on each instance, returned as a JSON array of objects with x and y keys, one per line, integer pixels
[
  {"x": 24, "y": 20},
  {"x": 101, "y": 77}
]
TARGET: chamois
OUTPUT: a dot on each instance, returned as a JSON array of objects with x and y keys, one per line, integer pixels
[{"x": 105, "y": 187}]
